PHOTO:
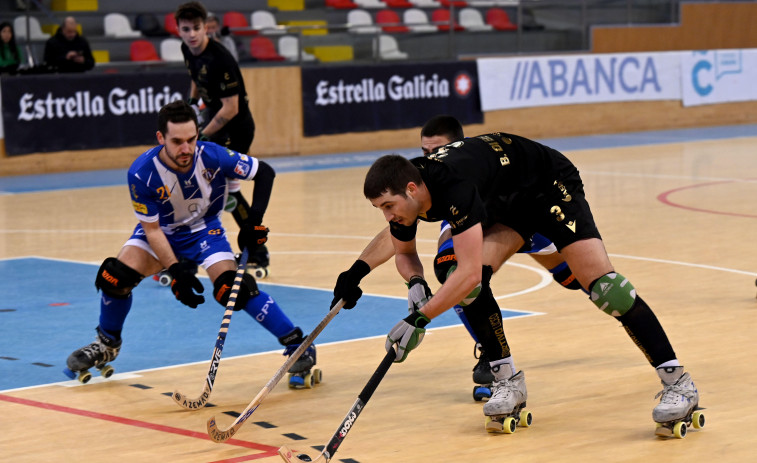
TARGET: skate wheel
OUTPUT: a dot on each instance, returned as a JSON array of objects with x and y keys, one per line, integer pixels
[
  {"x": 481, "y": 393},
  {"x": 679, "y": 430},
  {"x": 69, "y": 373},
  {"x": 309, "y": 381},
  {"x": 508, "y": 427},
  {"x": 697, "y": 420},
  {"x": 260, "y": 272},
  {"x": 296, "y": 381},
  {"x": 84, "y": 376},
  {"x": 164, "y": 279},
  {"x": 106, "y": 371},
  {"x": 525, "y": 419},
  {"x": 317, "y": 375}
]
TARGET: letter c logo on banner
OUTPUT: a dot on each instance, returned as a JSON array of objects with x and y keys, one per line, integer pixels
[{"x": 702, "y": 90}]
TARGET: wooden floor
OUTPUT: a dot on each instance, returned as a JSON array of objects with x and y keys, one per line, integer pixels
[{"x": 678, "y": 219}]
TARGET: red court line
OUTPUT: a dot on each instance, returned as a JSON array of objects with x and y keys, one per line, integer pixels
[
  {"x": 267, "y": 450},
  {"x": 663, "y": 198}
]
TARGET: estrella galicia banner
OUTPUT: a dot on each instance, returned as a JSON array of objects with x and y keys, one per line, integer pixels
[
  {"x": 382, "y": 97},
  {"x": 57, "y": 112}
]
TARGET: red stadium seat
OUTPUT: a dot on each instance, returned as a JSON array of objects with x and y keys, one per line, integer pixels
[
  {"x": 398, "y": 4},
  {"x": 500, "y": 20},
  {"x": 235, "y": 19},
  {"x": 341, "y": 4},
  {"x": 263, "y": 49},
  {"x": 143, "y": 50},
  {"x": 169, "y": 24},
  {"x": 441, "y": 15},
  {"x": 390, "y": 17},
  {"x": 456, "y": 3}
]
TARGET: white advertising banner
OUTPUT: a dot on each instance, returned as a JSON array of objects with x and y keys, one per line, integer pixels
[
  {"x": 718, "y": 76},
  {"x": 507, "y": 83}
]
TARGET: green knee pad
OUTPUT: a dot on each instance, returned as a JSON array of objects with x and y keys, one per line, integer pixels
[{"x": 613, "y": 294}]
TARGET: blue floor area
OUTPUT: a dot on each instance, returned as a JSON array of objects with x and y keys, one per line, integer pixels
[
  {"x": 116, "y": 177},
  {"x": 39, "y": 329}
]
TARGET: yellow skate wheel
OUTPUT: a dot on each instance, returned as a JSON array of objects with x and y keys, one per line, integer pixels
[
  {"x": 106, "y": 371},
  {"x": 492, "y": 425},
  {"x": 526, "y": 418},
  {"x": 84, "y": 377},
  {"x": 309, "y": 381},
  {"x": 508, "y": 427},
  {"x": 697, "y": 420},
  {"x": 260, "y": 272},
  {"x": 317, "y": 375},
  {"x": 679, "y": 430}
]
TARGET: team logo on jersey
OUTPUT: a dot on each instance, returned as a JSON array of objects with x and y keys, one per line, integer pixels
[
  {"x": 204, "y": 246},
  {"x": 208, "y": 174},
  {"x": 242, "y": 168},
  {"x": 139, "y": 207},
  {"x": 453, "y": 210},
  {"x": 134, "y": 191}
]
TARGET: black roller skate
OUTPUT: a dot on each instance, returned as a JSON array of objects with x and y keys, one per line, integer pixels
[
  {"x": 302, "y": 375},
  {"x": 482, "y": 375},
  {"x": 258, "y": 262},
  {"x": 97, "y": 355}
]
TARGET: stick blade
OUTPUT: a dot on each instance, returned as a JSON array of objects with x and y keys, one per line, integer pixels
[
  {"x": 291, "y": 456},
  {"x": 189, "y": 404},
  {"x": 216, "y": 434}
]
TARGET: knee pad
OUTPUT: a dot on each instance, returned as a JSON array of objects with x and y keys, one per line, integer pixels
[
  {"x": 613, "y": 294},
  {"x": 444, "y": 263},
  {"x": 222, "y": 289},
  {"x": 116, "y": 279},
  {"x": 294, "y": 337}
]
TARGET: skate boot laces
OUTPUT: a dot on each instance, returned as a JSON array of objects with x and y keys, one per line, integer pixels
[{"x": 682, "y": 390}]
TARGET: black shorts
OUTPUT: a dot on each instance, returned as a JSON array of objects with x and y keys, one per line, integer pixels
[
  {"x": 558, "y": 211},
  {"x": 238, "y": 134}
]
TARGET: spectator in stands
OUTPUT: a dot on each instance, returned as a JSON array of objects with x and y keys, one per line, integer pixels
[
  {"x": 10, "y": 53},
  {"x": 222, "y": 35},
  {"x": 67, "y": 51}
]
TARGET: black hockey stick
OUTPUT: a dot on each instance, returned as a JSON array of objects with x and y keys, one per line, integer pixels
[
  {"x": 196, "y": 404},
  {"x": 222, "y": 435},
  {"x": 349, "y": 421}
]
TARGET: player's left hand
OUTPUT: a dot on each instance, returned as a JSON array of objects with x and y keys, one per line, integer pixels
[
  {"x": 407, "y": 334},
  {"x": 252, "y": 236},
  {"x": 418, "y": 293}
]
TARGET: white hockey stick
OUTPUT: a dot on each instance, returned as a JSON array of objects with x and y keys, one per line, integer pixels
[
  {"x": 222, "y": 435},
  {"x": 215, "y": 360},
  {"x": 349, "y": 420}
]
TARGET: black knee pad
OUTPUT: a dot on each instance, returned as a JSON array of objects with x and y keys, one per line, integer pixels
[
  {"x": 116, "y": 279},
  {"x": 222, "y": 289},
  {"x": 443, "y": 262}
]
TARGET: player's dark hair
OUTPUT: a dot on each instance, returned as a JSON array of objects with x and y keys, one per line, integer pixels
[
  {"x": 190, "y": 12},
  {"x": 446, "y": 126},
  {"x": 390, "y": 173},
  {"x": 177, "y": 112}
]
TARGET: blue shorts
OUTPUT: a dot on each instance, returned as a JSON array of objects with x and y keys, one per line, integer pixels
[
  {"x": 537, "y": 244},
  {"x": 205, "y": 247}
]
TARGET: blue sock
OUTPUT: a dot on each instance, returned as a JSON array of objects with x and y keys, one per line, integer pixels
[
  {"x": 464, "y": 319},
  {"x": 113, "y": 313},
  {"x": 265, "y": 310}
]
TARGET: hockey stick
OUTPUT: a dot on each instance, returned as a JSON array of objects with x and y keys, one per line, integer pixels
[
  {"x": 196, "y": 404},
  {"x": 222, "y": 435},
  {"x": 349, "y": 421}
]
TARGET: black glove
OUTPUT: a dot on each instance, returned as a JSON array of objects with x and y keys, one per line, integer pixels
[
  {"x": 183, "y": 284},
  {"x": 347, "y": 284},
  {"x": 252, "y": 236}
]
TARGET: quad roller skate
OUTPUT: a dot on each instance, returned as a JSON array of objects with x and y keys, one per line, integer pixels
[
  {"x": 98, "y": 355},
  {"x": 302, "y": 375},
  {"x": 679, "y": 404},
  {"x": 482, "y": 375},
  {"x": 258, "y": 262},
  {"x": 506, "y": 410}
]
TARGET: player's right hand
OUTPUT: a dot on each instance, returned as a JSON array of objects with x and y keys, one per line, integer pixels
[
  {"x": 347, "y": 284},
  {"x": 184, "y": 285}
]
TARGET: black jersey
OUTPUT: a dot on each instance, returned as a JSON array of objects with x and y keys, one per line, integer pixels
[
  {"x": 216, "y": 75},
  {"x": 473, "y": 181}
]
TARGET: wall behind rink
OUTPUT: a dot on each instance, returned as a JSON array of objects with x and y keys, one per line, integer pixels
[{"x": 276, "y": 102}]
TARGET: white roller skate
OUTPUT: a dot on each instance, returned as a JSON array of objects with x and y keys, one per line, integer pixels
[
  {"x": 506, "y": 408},
  {"x": 482, "y": 375},
  {"x": 679, "y": 404},
  {"x": 97, "y": 355},
  {"x": 302, "y": 375}
]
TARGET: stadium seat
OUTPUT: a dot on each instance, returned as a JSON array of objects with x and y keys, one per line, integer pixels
[
  {"x": 455, "y": 3},
  {"x": 389, "y": 48},
  {"x": 261, "y": 48},
  {"x": 35, "y": 29},
  {"x": 426, "y": 3},
  {"x": 370, "y": 3},
  {"x": 398, "y": 4},
  {"x": 442, "y": 15},
  {"x": 390, "y": 21},
  {"x": 236, "y": 20},
  {"x": 169, "y": 24},
  {"x": 500, "y": 20},
  {"x": 360, "y": 22},
  {"x": 170, "y": 50},
  {"x": 264, "y": 22},
  {"x": 118, "y": 25},
  {"x": 417, "y": 21},
  {"x": 341, "y": 4},
  {"x": 289, "y": 47},
  {"x": 149, "y": 25},
  {"x": 143, "y": 50},
  {"x": 472, "y": 20}
]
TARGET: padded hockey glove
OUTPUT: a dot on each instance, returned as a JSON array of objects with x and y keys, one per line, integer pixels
[
  {"x": 252, "y": 236},
  {"x": 418, "y": 293},
  {"x": 407, "y": 334},
  {"x": 183, "y": 284},
  {"x": 347, "y": 284}
]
